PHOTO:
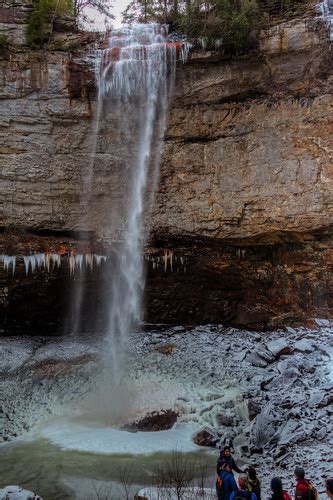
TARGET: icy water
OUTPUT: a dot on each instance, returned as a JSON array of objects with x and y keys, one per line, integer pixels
[
  {"x": 59, "y": 444},
  {"x": 65, "y": 475}
]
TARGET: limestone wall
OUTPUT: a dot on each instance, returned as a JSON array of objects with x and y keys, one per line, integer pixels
[{"x": 247, "y": 148}]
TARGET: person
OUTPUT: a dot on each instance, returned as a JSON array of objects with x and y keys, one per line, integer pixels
[
  {"x": 304, "y": 488},
  {"x": 277, "y": 490},
  {"x": 242, "y": 491},
  {"x": 225, "y": 483},
  {"x": 254, "y": 482},
  {"x": 226, "y": 458},
  {"x": 329, "y": 488}
]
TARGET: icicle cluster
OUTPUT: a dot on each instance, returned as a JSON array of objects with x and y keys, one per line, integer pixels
[
  {"x": 9, "y": 261},
  {"x": 47, "y": 261},
  {"x": 169, "y": 261}
]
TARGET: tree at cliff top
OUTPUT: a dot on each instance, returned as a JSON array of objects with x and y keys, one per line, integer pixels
[
  {"x": 102, "y": 7},
  {"x": 230, "y": 25},
  {"x": 45, "y": 14}
]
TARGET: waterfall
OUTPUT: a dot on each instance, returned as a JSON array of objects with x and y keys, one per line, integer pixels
[{"x": 136, "y": 74}]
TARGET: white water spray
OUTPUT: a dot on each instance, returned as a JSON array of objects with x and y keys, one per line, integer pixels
[{"x": 136, "y": 77}]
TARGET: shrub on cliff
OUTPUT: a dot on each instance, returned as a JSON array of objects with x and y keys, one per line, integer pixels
[
  {"x": 41, "y": 19},
  {"x": 230, "y": 25},
  {"x": 236, "y": 26}
]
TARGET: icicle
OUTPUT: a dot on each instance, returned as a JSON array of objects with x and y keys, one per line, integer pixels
[
  {"x": 99, "y": 259},
  {"x": 181, "y": 260},
  {"x": 71, "y": 264},
  {"x": 26, "y": 260},
  {"x": 9, "y": 260},
  {"x": 40, "y": 260},
  {"x": 33, "y": 263},
  {"x": 90, "y": 260},
  {"x": 168, "y": 255},
  {"x": 56, "y": 259},
  {"x": 79, "y": 260},
  {"x": 47, "y": 261},
  {"x": 154, "y": 264}
]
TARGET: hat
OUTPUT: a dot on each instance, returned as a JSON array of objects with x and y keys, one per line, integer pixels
[
  {"x": 276, "y": 485},
  {"x": 299, "y": 472}
]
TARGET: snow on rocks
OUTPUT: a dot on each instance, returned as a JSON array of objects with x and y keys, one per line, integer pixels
[
  {"x": 17, "y": 493},
  {"x": 304, "y": 345},
  {"x": 171, "y": 494},
  {"x": 278, "y": 347},
  {"x": 276, "y": 405}
]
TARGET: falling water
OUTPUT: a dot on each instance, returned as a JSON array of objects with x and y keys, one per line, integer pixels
[{"x": 136, "y": 74}]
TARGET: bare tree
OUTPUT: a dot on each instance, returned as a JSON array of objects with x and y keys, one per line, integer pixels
[
  {"x": 126, "y": 480},
  {"x": 176, "y": 474},
  {"x": 103, "y": 7}
]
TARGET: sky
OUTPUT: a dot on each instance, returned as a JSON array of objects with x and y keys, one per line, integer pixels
[{"x": 118, "y": 7}]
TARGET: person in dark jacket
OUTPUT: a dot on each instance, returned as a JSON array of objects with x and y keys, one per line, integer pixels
[
  {"x": 225, "y": 458},
  {"x": 225, "y": 483},
  {"x": 277, "y": 490},
  {"x": 254, "y": 482},
  {"x": 329, "y": 488},
  {"x": 242, "y": 492}
]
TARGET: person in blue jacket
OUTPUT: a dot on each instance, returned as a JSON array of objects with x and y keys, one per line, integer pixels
[
  {"x": 242, "y": 492},
  {"x": 225, "y": 483}
]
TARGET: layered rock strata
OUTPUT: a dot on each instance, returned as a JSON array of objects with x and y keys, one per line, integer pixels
[{"x": 245, "y": 192}]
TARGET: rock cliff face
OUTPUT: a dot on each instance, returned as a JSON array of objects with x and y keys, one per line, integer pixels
[
  {"x": 248, "y": 147},
  {"x": 245, "y": 192}
]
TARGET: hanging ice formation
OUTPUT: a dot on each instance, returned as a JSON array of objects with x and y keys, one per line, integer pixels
[
  {"x": 9, "y": 260},
  {"x": 44, "y": 260},
  {"x": 136, "y": 74}
]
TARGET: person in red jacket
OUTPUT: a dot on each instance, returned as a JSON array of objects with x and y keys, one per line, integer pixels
[{"x": 304, "y": 488}]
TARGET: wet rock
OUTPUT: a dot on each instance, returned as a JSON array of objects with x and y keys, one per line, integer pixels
[
  {"x": 206, "y": 437},
  {"x": 224, "y": 420},
  {"x": 256, "y": 360},
  {"x": 254, "y": 408},
  {"x": 278, "y": 347},
  {"x": 322, "y": 434},
  {"x": 287, "y": 433},
  {"x": 304, "y": 345},
  {"x": 166, "y": 349},
  {"x": 265, "y": 355},
  {"x": 154, "y": 422},
  {"x": 322, "y": 322},
  {"x": 329, "y": 409},
  {"x": 263, "y": 430}
]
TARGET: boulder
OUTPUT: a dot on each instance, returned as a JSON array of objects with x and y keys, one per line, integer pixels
[
  {"x": 154, "y": 422},
  {"x": 256, "y": 360},
  {"x": 304, "y": 345},
  {"x": 322, "y": 434},
  {"x": 17, "y": 493},
  {"x": 224, "y": 420},
  {"x": 262, "y": 431},
  {"x": 278, "y": 347},
  {"x": 254, "y": 408},
  {"x": 206, "y": 437}
]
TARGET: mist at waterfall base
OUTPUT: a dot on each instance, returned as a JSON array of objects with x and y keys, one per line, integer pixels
[{"x": 135, "y": 77}]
